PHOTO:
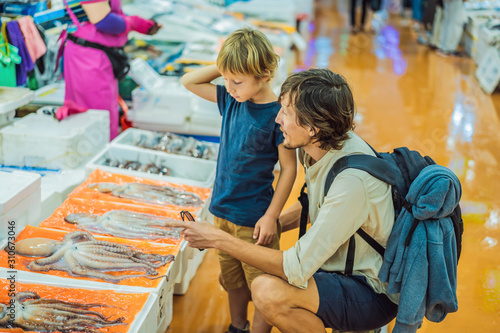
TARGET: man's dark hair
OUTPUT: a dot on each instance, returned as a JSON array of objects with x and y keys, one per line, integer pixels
[{"x": 321, "y": 100}]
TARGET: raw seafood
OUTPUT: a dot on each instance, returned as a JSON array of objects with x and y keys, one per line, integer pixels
[
  {"x": 31, "y": 312},
  {"x": 126, "y": 224},
  {"x": 80, "y": 254},
  {"x": 149, "y": 193}
]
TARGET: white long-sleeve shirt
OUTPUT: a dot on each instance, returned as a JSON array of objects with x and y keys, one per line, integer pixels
[{"x": 355, "y": 199}]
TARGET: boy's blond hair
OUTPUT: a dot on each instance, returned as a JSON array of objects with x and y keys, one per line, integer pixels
[{"x": 247, "y": 51}]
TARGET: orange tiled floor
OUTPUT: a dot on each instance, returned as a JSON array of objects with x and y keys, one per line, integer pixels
[{"x": 406, "y": 95}]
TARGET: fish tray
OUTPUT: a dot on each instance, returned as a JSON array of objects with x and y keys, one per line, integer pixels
[
  {"x": 162, "y": 288},
  {"x": 183, "y": 169},
  {"x": 136, "y": 305},
  {"x": 133, "y": 137},
  {"x": 75, "y": 205}
]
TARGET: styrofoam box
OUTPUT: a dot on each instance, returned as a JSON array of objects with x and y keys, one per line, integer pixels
[
  {"x": 268, "y": 10},
  {"x": 144, "y": 321},
  {"x": 183, "y": 169},
  {"x": 168, "y": 104},
  {"x": 56, "y": 187},
  {"x": 186, "y": 128},
  {"x": 39, "y": 140},
  {"x": 19, "y": 201},
  {"x": 10, "y": 100},
  {"x": 133, "y": 135},
  {"x": 191, "y": 259},
  {"x": 166, "y": 315},
  {"x": 52, "y": 94},
  {"x": 164, "y": 291}
]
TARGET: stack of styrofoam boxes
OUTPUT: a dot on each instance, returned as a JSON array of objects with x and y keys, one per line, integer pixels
[
  {"x": 52, "y": 94},
  {"x": 171, "y": 107},
  {"x": 184, "y": 169},
  {"x": 268, "y": 10},
  {"x": 41, "y": 141},
  {"x": 191, "y": 259},
  {"x": 475, "y": 20},
  {"x": 55, "y": 188},
  {"x": 19, "y": 202},
  {"x": 164, "y": 108},
  {"x": 144, "y": 321},
  {"x": 205, "y": 118},
  {"x": 10, "y": 100},
  {"x": 164, "y": 291}
]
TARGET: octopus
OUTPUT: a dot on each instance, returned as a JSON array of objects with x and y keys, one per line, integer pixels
[
  {"x": 125, "y": 224},
  {"x": 27, "y": 310},
  {"x": 79, "y": 254},
  {"x": 148, "y": 193}
]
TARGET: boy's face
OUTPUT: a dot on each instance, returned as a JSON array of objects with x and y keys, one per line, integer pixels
[
  {"x": 296, "y": 136},
  {"x": 243, "y": 87}
]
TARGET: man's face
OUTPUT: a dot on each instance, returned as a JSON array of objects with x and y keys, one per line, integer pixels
[{"x": 296, "y": 136}]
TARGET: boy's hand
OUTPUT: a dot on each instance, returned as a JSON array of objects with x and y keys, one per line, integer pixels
[{"x": 265, "y": 230}]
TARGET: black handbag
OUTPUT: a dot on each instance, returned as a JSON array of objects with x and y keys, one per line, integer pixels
[{"x": 116, "y": 55}]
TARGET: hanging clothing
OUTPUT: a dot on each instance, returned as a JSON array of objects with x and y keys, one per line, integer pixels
[
  {"x": 9, "y": 58},
  {"x": 16, "y": 38},
  {"x": 34, "y": 42}
]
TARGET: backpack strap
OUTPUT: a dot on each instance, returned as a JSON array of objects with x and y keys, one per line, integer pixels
[
  {"x": 304, "y": 201},
  {"x": 378, "y": 168}
]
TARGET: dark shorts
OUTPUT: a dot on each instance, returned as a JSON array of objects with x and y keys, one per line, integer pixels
[{"x": 348, "y": 303}]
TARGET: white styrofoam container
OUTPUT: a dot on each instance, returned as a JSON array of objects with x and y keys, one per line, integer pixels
[
  {"x": 191, "y": 259},
  {"x": 19, "y": 201},
  {"x": 39, "y": 140},
  {"x": 165, "y": 316},
  {"x": 10, "y": 100},
  {"x": 162, "y": 304},
  {"x": 56, "y": 187},
  {"x": 267, "y": 10},
  {"x": 144, "y": 322},
  {"x": 168, "y": 104},
  {"x": 52, "y": 94},
  {"x": 186, "y": 128},
  {"x": 183, "y": 169},
  {"x": 132, "y": 135}
]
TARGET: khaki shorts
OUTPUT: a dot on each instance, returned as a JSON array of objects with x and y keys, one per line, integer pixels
[{"x": 236, "y": 274}]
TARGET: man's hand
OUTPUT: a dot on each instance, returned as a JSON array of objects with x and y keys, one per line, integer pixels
[
  {"x": 265, "y": 230},
  {"x": 201, "y": 235}
]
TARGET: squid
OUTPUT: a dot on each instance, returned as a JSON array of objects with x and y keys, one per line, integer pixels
[
  {"x": 79, "y": 254},
  {"x": 125, "y": 224},
  {"x": 154, "y": 194}
]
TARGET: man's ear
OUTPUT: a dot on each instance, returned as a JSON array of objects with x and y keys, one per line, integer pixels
[{"x": 313, "y": 131}]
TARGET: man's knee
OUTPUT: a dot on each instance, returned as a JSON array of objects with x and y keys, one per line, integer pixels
[{"x": 268, "y": 293}]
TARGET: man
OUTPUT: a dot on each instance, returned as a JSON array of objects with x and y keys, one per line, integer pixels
[{"x": 305, "y": 288}]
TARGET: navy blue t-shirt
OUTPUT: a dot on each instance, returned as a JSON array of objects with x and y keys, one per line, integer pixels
[{"x": 247, "y": 154}]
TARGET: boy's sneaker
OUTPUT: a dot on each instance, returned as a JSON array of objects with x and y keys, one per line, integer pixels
[{"x": 233, "y": 329}]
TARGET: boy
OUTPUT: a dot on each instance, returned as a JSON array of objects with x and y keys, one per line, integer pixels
[{"x": 251, "y": 143}]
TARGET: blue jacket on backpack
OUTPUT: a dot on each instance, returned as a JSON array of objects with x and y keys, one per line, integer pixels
[{"x": 425, "y": 272}]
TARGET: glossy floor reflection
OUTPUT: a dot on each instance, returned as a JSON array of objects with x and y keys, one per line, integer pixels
[{"x": 406, "y": 95}]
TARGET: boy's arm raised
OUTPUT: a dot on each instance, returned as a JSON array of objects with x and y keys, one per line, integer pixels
[{"x": 198, "y": 82}]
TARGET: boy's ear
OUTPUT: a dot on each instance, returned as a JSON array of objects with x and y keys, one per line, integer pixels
[{"x": 267, "y": 77}]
